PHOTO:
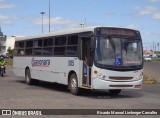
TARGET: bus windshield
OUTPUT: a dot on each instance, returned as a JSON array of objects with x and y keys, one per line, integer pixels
[{"x": 118, "y": 52}]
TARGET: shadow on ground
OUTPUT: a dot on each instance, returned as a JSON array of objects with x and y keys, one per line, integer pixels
[{"x": 83, "y": 92}]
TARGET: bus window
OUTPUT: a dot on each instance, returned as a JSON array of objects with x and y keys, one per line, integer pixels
[
  {"x": 38, "y": 43},
  {"x": 48, "y": 42},
  {"x": 59, "y": 51},
  {"x": 72, "y": 40},
  {"x": 16, "y": 45},
  {"x": 37, "y": 47},
  {"x": 72, "y": 44},
  {"x": 60, "y": 41},
  {"x": 47, "y": 51},
  {"x": 20, "y": 44},
  {"x": 19, "y": 48},
  {"x": 21, "y": 52},
  {"x": 28, "y": 51},
  {"x": 37, "y": 51},
  {"x": 71, "y": 50},
  {"x": 29, "y": 44}
]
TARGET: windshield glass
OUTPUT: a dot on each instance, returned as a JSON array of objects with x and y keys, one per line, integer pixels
[{"x": 119, "y": 52}]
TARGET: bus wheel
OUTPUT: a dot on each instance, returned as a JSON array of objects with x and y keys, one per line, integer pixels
[
  {"x": 114, "y": 92},
  {"x": 28, "y": 79},
  {"x": 73, "y": 84}
]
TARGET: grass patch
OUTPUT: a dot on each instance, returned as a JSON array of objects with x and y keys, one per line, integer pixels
[
  {"x": 156, "y": 59},
  {"x": 9, "y": 62},
  {"x": 149, "y": 80}
]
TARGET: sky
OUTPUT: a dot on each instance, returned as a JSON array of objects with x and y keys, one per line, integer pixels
[{"x": 23, "y": 18}]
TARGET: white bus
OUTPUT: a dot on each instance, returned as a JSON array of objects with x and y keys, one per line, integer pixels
[{"x": 96, "y": 58}]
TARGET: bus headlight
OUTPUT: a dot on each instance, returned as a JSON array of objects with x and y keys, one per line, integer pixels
[
  {"x": 140, "y": 76},
  {"x": 104, "y": 77},
  {"x": 101, "y": 76}
]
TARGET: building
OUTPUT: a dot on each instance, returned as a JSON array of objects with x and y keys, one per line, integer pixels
[
  {"x": 5, "y": 43},
  {"x": 148, "y": 52},
  {"x": 2, "y": 43}
]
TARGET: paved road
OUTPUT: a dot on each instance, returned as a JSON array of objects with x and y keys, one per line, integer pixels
[
  {"x": 15, "y": 94},
  {"x": 152, "y": 69}
]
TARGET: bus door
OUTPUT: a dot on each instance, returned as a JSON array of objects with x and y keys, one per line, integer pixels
[{"x": 86, "y": 80}]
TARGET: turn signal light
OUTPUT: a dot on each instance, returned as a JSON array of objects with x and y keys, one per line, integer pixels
[{"x": 95, "y": 72}]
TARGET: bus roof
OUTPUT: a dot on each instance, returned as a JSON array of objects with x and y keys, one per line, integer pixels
[
  {"x": 64, "y": 32},
  {"x": 58, "y": 33}
]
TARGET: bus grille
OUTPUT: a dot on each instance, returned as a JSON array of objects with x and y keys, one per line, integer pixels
[{"x": 121, "y": 78}]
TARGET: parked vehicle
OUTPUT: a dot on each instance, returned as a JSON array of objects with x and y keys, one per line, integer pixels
[
  {"x": 2, "y": 70},
  {"x": 147, "y": 58},
  {"x": 9, "y": 57},
  {"x": 154, "y": 55}
]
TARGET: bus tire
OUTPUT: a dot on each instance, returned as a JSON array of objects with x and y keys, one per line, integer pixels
[
  {"x": 73, "y": 84},
  {"x": 28, "y": 78},
  {"x": 114, "y": 92}
]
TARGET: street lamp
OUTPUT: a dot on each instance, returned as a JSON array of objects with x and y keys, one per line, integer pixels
[
  {"x": 42, "y": 20},
  {"x": 49, "y": 15}
]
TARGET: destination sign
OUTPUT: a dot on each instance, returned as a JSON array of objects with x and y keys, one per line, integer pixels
[{"x": 116, "y": 31}]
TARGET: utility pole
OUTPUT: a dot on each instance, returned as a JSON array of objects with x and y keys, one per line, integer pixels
[
  {"x": 42, "y": 20},
  {"x": 49, "y": 15}
]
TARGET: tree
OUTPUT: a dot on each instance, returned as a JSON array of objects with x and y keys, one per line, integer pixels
[{"x": 10, "y": 51}]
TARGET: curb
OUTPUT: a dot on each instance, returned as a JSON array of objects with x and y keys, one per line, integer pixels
[{"x": 149, "y": 82}]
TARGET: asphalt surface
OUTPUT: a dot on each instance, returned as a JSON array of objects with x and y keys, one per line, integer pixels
[
  {"x": 15, "y": 94},
  {"x": 152, "y": 69}
]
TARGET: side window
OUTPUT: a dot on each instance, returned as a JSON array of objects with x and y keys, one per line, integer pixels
[
  {"x": 48, "y": 42},
  {"x": 72, "y": 40},
  {"x": 38, "y": 43},
  {"x": 60, "y": 41},
  {"x": 72, "y": 45},
  {"x": 48, "y": 46},
  {"x": 38, "y": 47},
  {"x": 16, "y": 44},
  {"x": 60, "y": 45},
  {"x": 71, "y": 50},
  {"x": 59, "y": 51},
  {"x": 28, "y": 51},
  {"x": 29, "y": 46},
  {"x": 21, "y": 45},
  {"x": 19, "y": 48},
  {"x": 47, "y": 51}
]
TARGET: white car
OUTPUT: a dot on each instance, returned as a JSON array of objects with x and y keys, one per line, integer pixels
[
  {"x": 147, "y": 58},
  {"x": 154, "y": 56}
]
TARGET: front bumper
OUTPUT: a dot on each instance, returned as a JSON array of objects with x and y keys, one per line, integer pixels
[{"x": 103, "y": 84}]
